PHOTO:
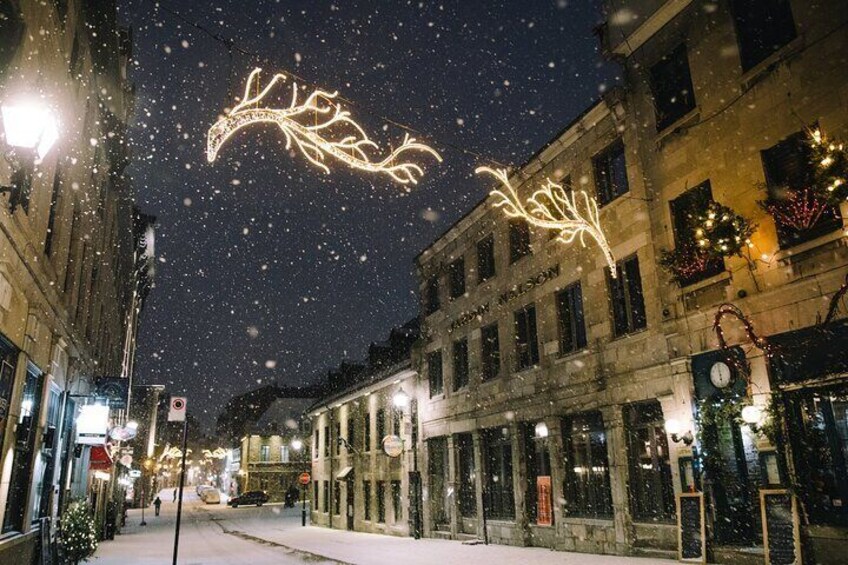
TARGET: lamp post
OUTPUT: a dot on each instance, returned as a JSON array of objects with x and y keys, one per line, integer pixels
[
  {"x": 297, "y": 445},
  {"x": 31, "y": 129},
  {"x": 147, "y": 464},
  {"x": 401, "y": 401}
]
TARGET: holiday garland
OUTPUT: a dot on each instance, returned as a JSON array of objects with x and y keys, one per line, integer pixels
[
  {"x": 77, "y": 532},
  {"x": 801, "y": 208},
  {"x": 716, "y": 232}
]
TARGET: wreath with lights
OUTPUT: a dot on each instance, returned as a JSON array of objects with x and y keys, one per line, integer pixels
[
  {"x": 802, "y": 208},
  {"x": 718, "y": 232}
]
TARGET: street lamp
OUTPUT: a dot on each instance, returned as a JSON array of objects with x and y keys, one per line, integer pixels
[
  {"x": 148, "y": 463},
  {"x": 31, "y": 129},
  {"x": 753, "y": 416},
  {"x": 400, "y": 399},
  {"x": 297, "y": 444},
  {"x": 673, "y": 427}
]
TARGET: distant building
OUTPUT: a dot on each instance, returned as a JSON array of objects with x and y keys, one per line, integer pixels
[
  {"x": 364, "y": 442},
  {"x": 273, "y": 452}
]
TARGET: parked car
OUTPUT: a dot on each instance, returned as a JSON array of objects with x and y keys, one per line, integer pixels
[
  {"x": 210, "y": 496},
  {"x": 200, "y": 488},
  {"x": 257, "y": 497}
]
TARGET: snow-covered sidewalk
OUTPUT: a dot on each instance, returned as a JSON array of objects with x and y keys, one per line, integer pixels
[{"x": 374, "y": 549}]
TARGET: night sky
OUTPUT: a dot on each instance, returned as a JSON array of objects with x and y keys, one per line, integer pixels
[{"x": 272, "y": 270}]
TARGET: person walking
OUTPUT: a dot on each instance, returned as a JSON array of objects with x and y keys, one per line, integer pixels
[
  {"x": 175, "y": 495},
  {"x": 157, "y": 504}
]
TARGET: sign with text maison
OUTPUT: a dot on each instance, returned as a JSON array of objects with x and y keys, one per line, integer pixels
[{"x": 507, "y": 296}]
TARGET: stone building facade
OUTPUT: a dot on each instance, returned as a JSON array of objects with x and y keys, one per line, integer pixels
[
  {"x": 550, "y": 389},
  {"x": 358, "y": 482},
  {"x": 71, "y": 264}
]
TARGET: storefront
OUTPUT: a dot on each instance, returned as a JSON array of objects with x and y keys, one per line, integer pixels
[{"x": 809, "y": 372}]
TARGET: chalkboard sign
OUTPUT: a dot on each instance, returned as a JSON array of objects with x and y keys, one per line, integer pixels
[
  {"x": 691, "y": 535},
  {"x": 781, "y": 533}
]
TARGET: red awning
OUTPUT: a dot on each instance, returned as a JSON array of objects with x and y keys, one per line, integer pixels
[{"x": 98, "y": 459}]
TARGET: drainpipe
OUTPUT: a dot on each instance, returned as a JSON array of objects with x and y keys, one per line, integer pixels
[{"x": 331, "y": 490}]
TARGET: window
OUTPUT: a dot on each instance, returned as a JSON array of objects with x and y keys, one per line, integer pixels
[
  {"x": 789, "y": 172},
  {"x": 684, "y": 220},
  {"x": 337, "y": 499},
  {"x": 51, "y": 217},
  {"x": 762, "y": 27},
  {"x": 366, "y": 497},
  {"x": 572, "y": 327},
  {"x": 460, "y": 364},
  {"x": 326, "y": 441},
  {"x": 519, "y": 239},
  {"x": 651, "y": 490},
  {"x": 285, "y": 456},
  {"x": 396, "y": 510},
  {"x": 467, "y": 488},
  {"x": 381, "y": 501},
  {"x": 337, "y": 437},
  {"x": 628, "y": 304},
  {"x": 526, "y": 344},
  {"x": 413, "y": 420},
  {"x": 538, "y": 458},
  {"x": 818, "y": 420},
  {"x": 491, "y": 351},
  {"x": 326, "y": 501},
  {"x": 587, "y": 485},
  {"x": 351, "y": 432},
  {"x": 486, "y": 258},
  {"x": 315, "y": 445},
  {"x": 367, "y": 430},
  {"x": 610, "y": 173},
  {"x": 434, "y": 373},
  {"x": 499, "y": 499},
  {"x": 381, "y": 424},
  {"x": 397, "y": 420},
  {"x": 431, "y": 298},
  {"x": 315, "y": 495},
  {"x": 264, "y": 453},
  {"x": 456, "y": 278},
  {"x": 671, "y": 85}
]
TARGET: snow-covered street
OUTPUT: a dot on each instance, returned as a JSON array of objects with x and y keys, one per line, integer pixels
[{"x": 271, "y": 534}]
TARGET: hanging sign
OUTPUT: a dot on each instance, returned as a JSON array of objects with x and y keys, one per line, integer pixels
[
  {"x": 304, "y": 479},
  {"x": 93, "y": 424},
  {"x": 544, "y": 507},
  {"x": 393, "y": 445},
  {"x": 781, "y": 531},
  {"x": 122, "y": 433},
  {"x": 691, "y": 533}
]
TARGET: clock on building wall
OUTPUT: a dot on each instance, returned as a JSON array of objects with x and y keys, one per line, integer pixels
[{"x": 720, "y": 374}]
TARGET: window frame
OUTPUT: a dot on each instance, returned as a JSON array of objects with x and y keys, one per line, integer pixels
[
  {"x": 460, "y": 360},
  {"x": 595, "y": 501},
  {"x": 603, "y": 167},
  {"x": 520, "y": 245},
  {"x": 531, "y": 358},
  {"x": 498, "y": 496},
  {"x": 490, "y": 358},
  {"x": 671, "y": 77},
  {"x": 435, "y": 378},
  {"x": 637, "y": 418},
  {"x": 456, "y": 278},
  {"x": 486, "y": 267},
  {"x": 699, "y": 195},
  {"x": 627, "y": 299},
  {"x": 750, "y": 55},
  {"x": 571, "y": 295}
]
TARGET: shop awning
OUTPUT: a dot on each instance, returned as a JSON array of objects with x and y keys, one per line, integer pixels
[
  {"x": 344, "y": 473},
  {"x": 98, "y": 459}
]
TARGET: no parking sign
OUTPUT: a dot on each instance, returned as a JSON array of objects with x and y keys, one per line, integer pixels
[{"x": 177, "y": 412}]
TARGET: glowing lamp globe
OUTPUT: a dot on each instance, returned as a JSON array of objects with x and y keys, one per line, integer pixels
[
  {"x": 672, "y": 426},
  {"x": 30, "y": 126},
  {"x": 297, "y": 444},
  {"x": 752, "y": 414},
  {"x": 541, "y": 430},
  {"x": 400, "y": 399}
]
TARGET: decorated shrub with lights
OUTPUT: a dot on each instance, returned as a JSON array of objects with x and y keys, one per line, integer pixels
[
  {"x": 77, "y": 532},
  {"x": 717, "y": 232}
]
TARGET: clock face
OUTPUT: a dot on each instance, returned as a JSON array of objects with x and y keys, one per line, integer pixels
[{"x": 720, "y": 375}]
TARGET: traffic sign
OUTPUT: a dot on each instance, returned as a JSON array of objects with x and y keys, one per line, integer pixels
[
  {"x": 177, "y": 413},
  {"x": 304, "y": 479}
]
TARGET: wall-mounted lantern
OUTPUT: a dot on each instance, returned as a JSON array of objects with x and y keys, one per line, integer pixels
[
  {"x": 673, "y": 429},
  {"x": 31, "y": 129}
]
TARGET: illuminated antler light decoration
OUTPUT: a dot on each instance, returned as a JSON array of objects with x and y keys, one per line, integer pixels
[
  {"x": 308, "y": 125},
  {"x": 553, "y": 208}
]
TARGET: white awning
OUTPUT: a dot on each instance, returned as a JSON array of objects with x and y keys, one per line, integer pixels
[{"x": 344, "y": 473}]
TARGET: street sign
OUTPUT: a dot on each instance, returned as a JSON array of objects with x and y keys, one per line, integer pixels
[
  {"x": 304, "y": 479},
  {"x": 135, "y": 473},
  {"x": 177, "y": 412}
]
